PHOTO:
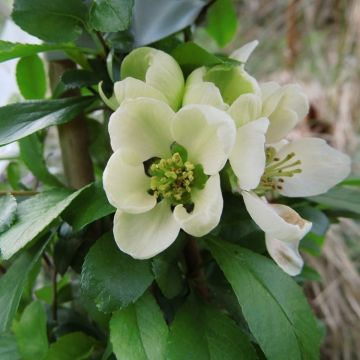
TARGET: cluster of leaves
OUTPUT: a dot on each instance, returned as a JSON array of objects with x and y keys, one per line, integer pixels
[{"x": 66, "y": 291}]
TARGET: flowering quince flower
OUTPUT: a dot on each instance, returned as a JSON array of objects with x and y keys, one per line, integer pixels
[
  {"x": 163, "y": 174},
  {"x": 231, "y": 88},
  {"x": 303, "y": 167},
  {"x": 147, "y": 72}
]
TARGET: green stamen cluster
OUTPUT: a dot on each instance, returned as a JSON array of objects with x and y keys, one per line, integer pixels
[
  {"x": 172, "y": 179},
  {"x": 276, "y": 169}
]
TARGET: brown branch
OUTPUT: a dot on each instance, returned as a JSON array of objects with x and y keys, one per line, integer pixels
[{"x": 194, "y": 267}]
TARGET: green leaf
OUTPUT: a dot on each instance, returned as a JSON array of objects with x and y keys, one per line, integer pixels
[
  {"x": 191, "y": 56},
  {"x": 273, "y": 305},
  {"x": 206, "y": 333},
  {"x": 344, "y": 198},
  {"x": 222, "y": 21},
  {"x": 8, "y": 347},
  {"x": 56, "y": 20},
  {"x": 111, "y": 15},
  {"x": 111, "y": 278},
  {"x": 91, "y": 205},
  {"x": 73, "y": 346},
  {"x": 34, "y": 215},
  {"x": 31, "y": 333},
  {"x": 31, "y": 77},
  {"x": 9, "y": 50},
  {"x": 8, "y": 207},
  {"x": 31, "y": 153},
  {"x": 14, "y": 175},
  {"x": 139, "y": 331},
  {"x": 77, "y": 78},
  {"x": 13, "y": 281},
  {"x": 22, "y": 119}
]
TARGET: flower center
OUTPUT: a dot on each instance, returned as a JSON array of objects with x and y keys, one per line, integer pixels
[
  {"x": 276, "y": 170},
  {"x": 174, "y": 178}
]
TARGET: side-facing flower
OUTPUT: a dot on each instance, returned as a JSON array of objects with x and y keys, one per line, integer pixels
[
  {"x": 304, "y": 167},
  {"x": 148, "y": 72},
  {"x": 163, "y": 175}
]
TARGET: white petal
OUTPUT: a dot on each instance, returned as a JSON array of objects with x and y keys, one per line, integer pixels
[
  {"x": 204, "y": 93},
  {"x": 157, "y": 69},
  {"x": 242, "y": 54},
  {"x": 282, "y": 121},
  {"x": 131, "y": 88},
  {"x": 245, "y": 108},
  {"x": 142, "y": 126},
  {"x": 284, "y": 106},
  {"x": 247, "y": 158},
  {"x": 208, "y": 134},
  {"x": 207, "y": 210},
  {"x": 277, "y": 221},
  {"x": 111, "y": 102},
  {"x": 145, "y": 235},
  {"x": 285, "y": 254},
  {"x": 322, "y": 167},
  {"x": 267, "y": 89},
  {"x": 126, "y": 185}
]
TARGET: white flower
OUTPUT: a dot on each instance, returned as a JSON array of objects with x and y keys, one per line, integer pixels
[
  {"x": 303, "y": 167},
  {"x": 163, "y": 175},
  {"x": 148, "y": 72}
]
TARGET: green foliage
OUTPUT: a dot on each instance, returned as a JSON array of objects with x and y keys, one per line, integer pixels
[
  {"x": 340, "y": 197},
  {"x": 8, "y": 347},
  {"x": 273, "y": 305},
  {"x": 32, "y": 154},
  {"x": 139, "y": 331},
  {"x": 8, "y": 207},
  {"x": 222, "y": 21},
  {"x": 191, "y": 56},
  {"x": 12, "y": 283},
  {"x": 89, "y": 206},
  {"x": 57, "y": 20},
  {"x": 111, "y": 15},
  {"x": 10, "y": 50},
  {"x": 27, "y": 69},
  {"x": 112, "y": 279},
  {"x": 73, "y": 346},
  {"x": 206, "y": 333},
  {"x": 23, "y": 119},
  {"x": 47, "y": 206},
  {"x": 30, "y": 332}
]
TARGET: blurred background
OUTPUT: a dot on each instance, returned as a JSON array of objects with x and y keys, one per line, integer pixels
[{"x": 315, "y": 43}]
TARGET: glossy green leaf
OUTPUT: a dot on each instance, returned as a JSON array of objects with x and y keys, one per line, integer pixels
[
  {"x": 222, "y": 21},
  {"x": 91, "y": 205},
  {"x": 56, "y": 20},
  {"x": 13, "y": 281},
  {"x": 22, "y": 119},
  {"x": 30, "y": 332},
  {"x": 10, "y": 50},
  {"x": 273, "y": 305},
  {"x": 111, "y": 15},
  {"x": 8, "y": 347},
  {"x": 8, "y": 207},
  {"x": 191, "y": 56},
  {"x": 32, "y": 154},
  {"x": 31, "y": 77},
  {"x": 201, "y": 332},
  {"x": 340, "y": 197},
  {"x": 73, "y": 346},
  {"x": 34, "y": 215},
  {"x": 111, "y": 278},
  {"x": 139, "y": 331},
  {"x": 77, "y": 78}
]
